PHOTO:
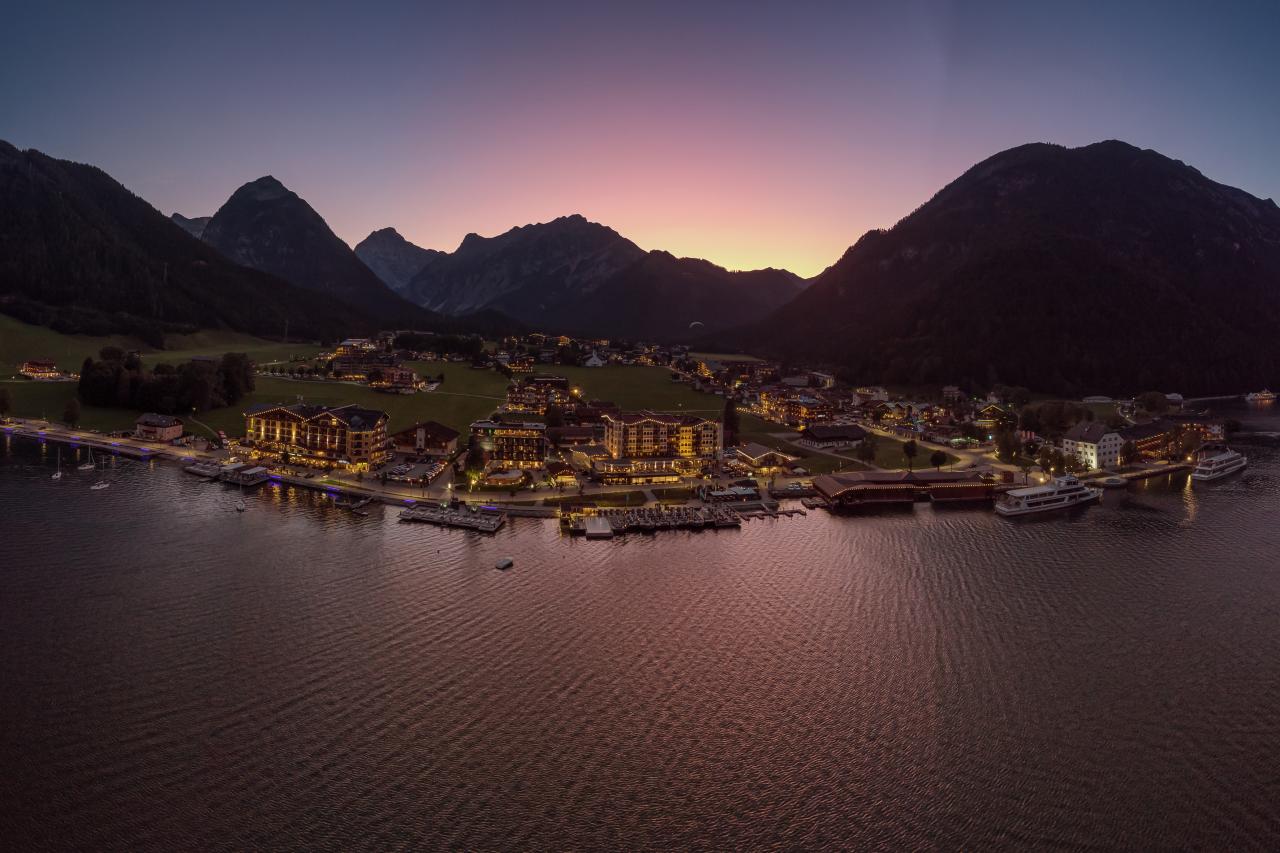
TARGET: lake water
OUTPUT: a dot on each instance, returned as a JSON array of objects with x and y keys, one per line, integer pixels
[{"x": 178, "y": 675}]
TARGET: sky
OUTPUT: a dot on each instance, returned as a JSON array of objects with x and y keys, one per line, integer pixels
[{"x": 750, "y": 134}]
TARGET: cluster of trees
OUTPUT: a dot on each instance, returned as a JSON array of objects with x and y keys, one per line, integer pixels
[
  {"x": 468, "y": 345},
  {"x": 119, "y": 379}
]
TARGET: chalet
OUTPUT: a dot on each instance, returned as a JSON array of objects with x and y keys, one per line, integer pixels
[
  {"x": 521, "y": 445},
  {"x": 995, "y": 416},
  {"x": 594, "y": 360},
  {"x": 427, "y": 438},
  {"x": 761, "y": 458},
  {"x": 561, "y": 474}
]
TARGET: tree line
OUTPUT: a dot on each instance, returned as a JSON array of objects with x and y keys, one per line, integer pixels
[{"x": 118, "y": 379}]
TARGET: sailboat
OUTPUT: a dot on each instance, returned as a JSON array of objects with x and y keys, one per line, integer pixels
[
  {"x": 57, "y": 475},
  {"x": 87, "y": 466},
  {"x": 101, "y": 484},
  {"x": 240, "y": 505}
]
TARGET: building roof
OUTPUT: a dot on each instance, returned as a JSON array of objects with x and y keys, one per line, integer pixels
[
  {"x": 834, "y": 432},
  {"x": 1088, "y": 432},
  {"x": 435, "y": 431},
  {"x": 755, "y": 452},
  {"x": 659, "y": 417},
  {"x": 833, "y": 485},
  {"x": 355, "y": 417},
  {"x": 151, "y": 419},
  {"x": 1138, "y": 432}
]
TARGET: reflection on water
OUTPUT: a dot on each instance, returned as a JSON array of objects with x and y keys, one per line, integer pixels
[{"x": 177, "y": 674}]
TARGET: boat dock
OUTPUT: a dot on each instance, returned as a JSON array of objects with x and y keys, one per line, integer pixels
[
  {"x": 480, "y": 521},
  {"x": 607, "y": 522}
]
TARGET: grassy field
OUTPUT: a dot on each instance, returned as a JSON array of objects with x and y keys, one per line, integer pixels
[
  {"x": 20, "y": 342},
  {"x": 633, "y": 387},
  {"x": 724, "y": 356}
]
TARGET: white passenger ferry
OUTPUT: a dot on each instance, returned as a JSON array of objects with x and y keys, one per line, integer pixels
[
  {"x": 1217, "y": 462},
  {"x": 1059, "y": 493},
  {"x": 1263, "y": 396}
]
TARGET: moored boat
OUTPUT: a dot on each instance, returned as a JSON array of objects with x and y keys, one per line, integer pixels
[
  {"x": 1218, "y": 462},
  {"x": 1058, "y": 493},
  {"x": 1263, "y": 396}
]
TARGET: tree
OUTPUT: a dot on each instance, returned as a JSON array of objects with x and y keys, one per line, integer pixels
[
  {"x": 6, "y": 401},
  {"x": 867, "y": 448},
  {"x": 1007, "y": 445},
  {"x": 909, "y": 450},
  {"x": 731, "y": 422},
  {"x": 1129, "y": 453},
  {"x": 71, "y": 414},
  {"x": 1153, "y": 402},
  {"x": 938, "y": 458},
  {"x": 1024, "y": 465}
]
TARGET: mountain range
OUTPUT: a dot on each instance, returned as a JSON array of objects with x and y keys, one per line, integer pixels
[
  {"x": 1100, "y": 269},
  {"x": 80, "y": 253},
  {"x": 573, "y": 275},
  {"x": 1105, "y": 268}
]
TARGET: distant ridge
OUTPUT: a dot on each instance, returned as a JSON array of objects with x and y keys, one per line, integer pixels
[
  {"x": 1101, "y": 269},
  {"x": 574, "y": 275},
  {"x": 80, "y": 253},
  {"x": 194, "y": 226},
  {"x": 394, "y": 259}
]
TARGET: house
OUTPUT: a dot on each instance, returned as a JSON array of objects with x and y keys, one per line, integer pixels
[
  {"x": 763, "y": 458},
  {"x": 1151, "y": 438},
  {"x": 1095, "y": 444},
  {"x": 153, "y": 427},
  {"x": 871, "y": 394},
  {"x": 594, "y": 360},
  {"x": 40, "y": 368},
  {"x": 427, "y": 438},
  {"x": 822, "y": 380},
  {"x": 828, "y": 436},
  {"x": 952, "y": 394},
  {"x": 561, "y": 474},
  {"x": 995, "y": 416}
]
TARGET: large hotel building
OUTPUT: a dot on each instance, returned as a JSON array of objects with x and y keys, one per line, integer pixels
[
  {"x": 534, "y": 394},
  {"x": 344, "y": 436},
  {"x": 652, "y": 447}
]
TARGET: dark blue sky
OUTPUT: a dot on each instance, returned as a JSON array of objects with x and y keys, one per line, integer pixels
[{"x": 751, "y": 134}]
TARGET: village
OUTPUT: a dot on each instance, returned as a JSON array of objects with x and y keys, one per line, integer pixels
[{"x": 767, "y": 433}]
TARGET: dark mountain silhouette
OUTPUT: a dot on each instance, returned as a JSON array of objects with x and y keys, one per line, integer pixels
[
  {"x": 269, "y": 228},
  {"x": 193, "y": 226},
  {"x": 81, "y": 253},
  {"x": 1098, "y": 269},
  {"x": 394, "y": 259},
  {"x": 578, "y": 276}
]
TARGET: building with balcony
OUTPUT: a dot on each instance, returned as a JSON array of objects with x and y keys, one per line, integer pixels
[
  {"x": 535, "y": 394},
  {"x": 519, "y": 444},
  {"x": 347, "y": 437},
  {"x": 658, "y": 447},
  {"x": 427, "y": 438}
]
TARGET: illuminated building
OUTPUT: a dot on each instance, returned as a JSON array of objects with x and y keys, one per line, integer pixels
[
  {"x": 153, "y": 427},
  {"x": 1094, "y": 444},
  {"x": 534, "y": 394},
  {"x": 349, "y": 436},
  {"x": 511, "y": 445},
  {"x": 40, "y": 369},
  {"x": 655, "y": 447}
]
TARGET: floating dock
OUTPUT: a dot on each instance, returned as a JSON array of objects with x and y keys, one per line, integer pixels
[{"x": 479, "y": 521}]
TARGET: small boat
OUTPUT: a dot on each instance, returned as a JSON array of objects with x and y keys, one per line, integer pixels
[
  {"x": 240, "y": 507},
  {"x": 363, "y": 513},
  {"x": 57, "y": 475},
  {"x": 1263, "y": 396},
  {"x": 1216, "y": 462},
  {"x": 1113, "y": 482},
  {"x": 1059, "y": 493},
  {"x": 505, "y": 563},
  {"x": 87, "y": 466},
  {"x": 100, "y": 485}
]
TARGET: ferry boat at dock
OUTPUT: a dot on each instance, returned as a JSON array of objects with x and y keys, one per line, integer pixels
[
  {"x": 1217, "y": 462},
  {"x": 1059, "y": 493},
  {"x": 1263, "y": 396}
]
